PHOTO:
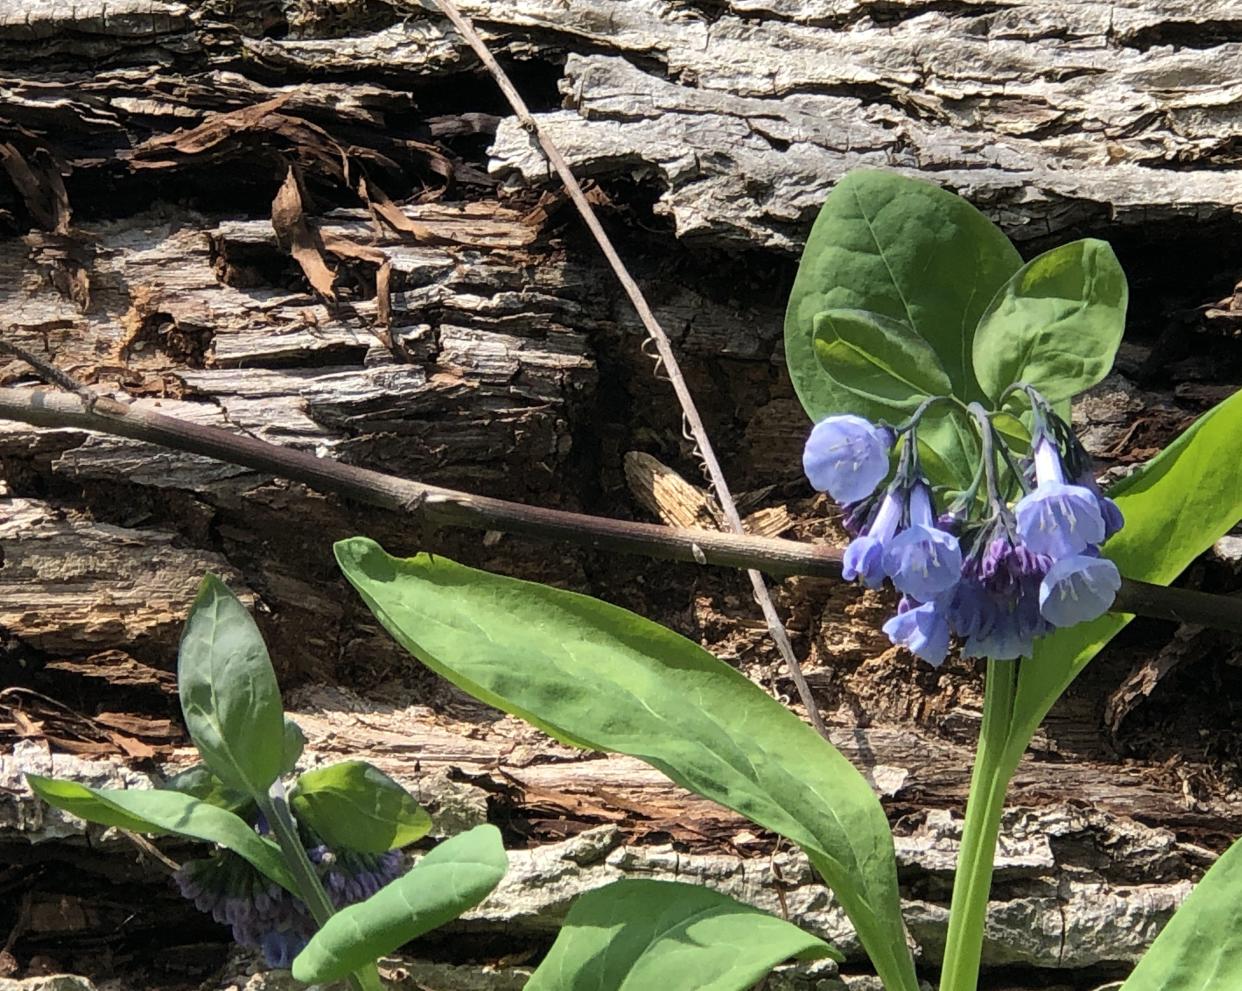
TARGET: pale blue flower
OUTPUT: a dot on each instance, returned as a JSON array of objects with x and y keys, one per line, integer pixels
[
  {"x": 921, "y": 629},
  {"x": 923, "y": 561},
  {"x": 847, "y": 457},
  {"x": 1059, "y": 520},
  {"x": 1077, "y": 589}
]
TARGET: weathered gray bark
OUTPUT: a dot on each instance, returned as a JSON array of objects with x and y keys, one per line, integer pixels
[{"x": 471, "y": 338}]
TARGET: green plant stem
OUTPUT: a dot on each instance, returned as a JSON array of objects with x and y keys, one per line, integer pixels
[
  {"x": 275, "y": 809},
  {"x": 988, "y": 784}
]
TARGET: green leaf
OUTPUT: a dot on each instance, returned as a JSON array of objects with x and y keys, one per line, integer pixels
[
  {"x": 1055, "y": 324},
  {"x": 887, "y": 367},
  {"x": 355, "y": 806},
  {"x": 229, "y": 693},
  {"x": 293, "y": 745},
  {"x": 599, "y": 676},
  {"x": 948, "y": 446},
  {"x": 452, "y": 878},
  {"x": 1176, "y": 507},
  {"x": 1201, "y": 947},
  {"x": 636, "y": 935},
  {"x": 165, "y": 811},
  {"x": 906, "y": 250},
  {"x": 198, "y": 782}
]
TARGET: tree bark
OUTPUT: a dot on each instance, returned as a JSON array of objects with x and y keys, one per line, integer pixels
[{"x": 314, "y": 223}]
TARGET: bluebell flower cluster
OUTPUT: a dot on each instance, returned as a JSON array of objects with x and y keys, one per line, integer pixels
[
  {"x": 264, "y": 915},
  {"x": 993, "y": 575}
]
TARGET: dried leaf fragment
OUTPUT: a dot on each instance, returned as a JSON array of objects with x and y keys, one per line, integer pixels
[{"x": 294, "y": 230}]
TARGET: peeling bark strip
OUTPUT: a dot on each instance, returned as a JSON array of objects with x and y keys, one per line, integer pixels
[
  {"x": 472, "y": 341},
  {"x": 1051, "y": 116}
]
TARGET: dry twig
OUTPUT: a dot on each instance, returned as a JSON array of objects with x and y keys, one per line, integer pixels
[{"x": 438, "y": 505}]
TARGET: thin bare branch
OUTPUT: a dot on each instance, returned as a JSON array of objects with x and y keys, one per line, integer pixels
[
  {"x": 668, "y": 359},
  {"x": 437, "y": 505}
]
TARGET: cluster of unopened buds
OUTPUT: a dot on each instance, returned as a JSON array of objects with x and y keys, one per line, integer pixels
[
  {"x": 264, "y": 915},
  {"x": 996, "y": 576}
]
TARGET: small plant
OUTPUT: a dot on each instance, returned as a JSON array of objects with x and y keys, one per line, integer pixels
[{"x": 313, "y": 877}]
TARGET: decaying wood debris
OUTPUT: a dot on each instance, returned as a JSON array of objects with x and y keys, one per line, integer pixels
[{"x": 313, "y": 222}]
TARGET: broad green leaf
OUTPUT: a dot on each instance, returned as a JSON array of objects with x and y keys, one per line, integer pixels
[
  {"x": 948, "y": 446},
  {"x": 354, "y": 806},
  {"x": 1201, "y": 947},
  {"x": 452, "y": 878},
  {"x": 1055, "y": 324},
  {"x": 636, "y": 935},
  {"x": 229, "y": 694},
  {"x": 1176, "y": 506},
  {"x": 165, "y": 811},
  {"x": 887, "y": 367},
  {"x": 599, "y": 676},
  {"x": 198, "y": 782},
  {"x": 904, "y": 249}
]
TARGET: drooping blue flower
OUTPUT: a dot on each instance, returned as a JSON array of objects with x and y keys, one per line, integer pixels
[
  {"x": 1057, "y": 519},
  {"x": 280, "y": 946},
  {"x": 847, "y": 457},
  {"x": 922, "y": 628},
  {"x": 264, "y": 915},
  {"x": 1077, "y": 589},
  {"x": 922, "y": 560},
  {"x": 864, "y": 557}
]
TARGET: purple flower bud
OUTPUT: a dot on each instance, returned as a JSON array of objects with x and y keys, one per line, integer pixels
[
  {"x": 864, "y": 557},
  {"x": 921, "y": 629},
  {"x": 1077, "y": 589},
  {"x": 847, "y": 457},
  {"x": 996, "y": 605}
]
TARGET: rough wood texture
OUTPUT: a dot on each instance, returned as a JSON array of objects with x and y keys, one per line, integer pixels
[
  {"x": 197, "y": 209},
  {"x": 1051, "y": 115}
]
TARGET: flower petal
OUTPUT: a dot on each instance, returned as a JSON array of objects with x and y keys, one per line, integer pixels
[
  {"x": 847, "y": 457},
  {"x": 1077, "y": 589}
]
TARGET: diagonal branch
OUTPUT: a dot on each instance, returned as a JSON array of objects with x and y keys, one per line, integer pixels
[
  {"x": 667, "y": 357},
  {"x": 41, "y": 408}
]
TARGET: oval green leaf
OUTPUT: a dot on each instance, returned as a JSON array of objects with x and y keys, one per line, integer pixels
[
  {"x": 904, "y": 249},
  {"x": 1201, "y": 947},
  {"x": 1176, "y": 507},
  {"x": 354, "y": 806},
  {"x": 229, "y": 694},
  {"x": 637, "y": 934},
  {"x": 887, "y": 367},
  {"x": 1055, "y": 324},
  {"x": 165, "y": 811},
  {"x": 598, "y": 676},
  {"x": 452, "y": 878}
]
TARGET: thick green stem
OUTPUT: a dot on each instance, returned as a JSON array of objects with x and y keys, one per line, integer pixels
[
  {"x": 275, "y": 809},
  {"x": 988, "y": 785}
]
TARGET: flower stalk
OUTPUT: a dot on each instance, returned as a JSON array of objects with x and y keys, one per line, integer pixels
[
  {"x": 972, "y": 882},
  {"x": 275, "y": 808}
]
